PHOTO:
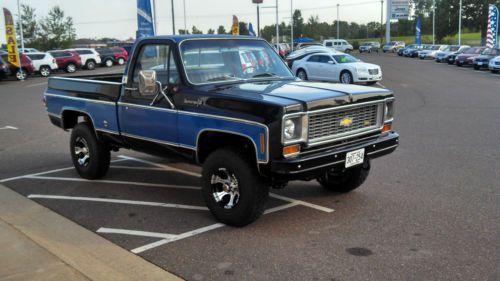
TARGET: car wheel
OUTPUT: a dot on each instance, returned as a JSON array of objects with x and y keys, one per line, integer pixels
[
  {"x": 121, "y": 61},
  {"x": 494, "y": 71},
  {"x": 108, "y": 63},
  {"x": 476, "y": 67},
  {"x": 347, "y": 51},
  {"x": 45, "y": 71},
  {"x": 459, "y": 64},
  {"x": 369, "y": 51},
  {"x": 71, "y": 68},
  {"x": 302, "y": 74},
  {"x": 346, "y": 77},
  {"x": 232, "y": 188},
  {"x": 90, "y": 65},
  {"x": 90, "y": 157},
  {"x": 345, "y": 180},
  {"x": 21, "y": 74}
]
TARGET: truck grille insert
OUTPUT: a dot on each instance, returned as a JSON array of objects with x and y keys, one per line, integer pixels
[
  {"x": 342, "y": 123},
  {"x": 373, "y": 71}
]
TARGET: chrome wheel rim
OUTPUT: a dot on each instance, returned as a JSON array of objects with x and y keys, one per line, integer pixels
[
  {"x": 20, "y": 75},
  {"x": 302, "y": 75},
  {"x": 82, "y": 151},
  {"x": 90, "y": 65},
  {"x": 71, "y": 68},
  {"x": 45, "y": 72},
  {"x": 225, "y": 190},
  {"x": 109, "y": 63},
  {"x": 121, "y": 61},
  {"x": 345, "y": 78}
]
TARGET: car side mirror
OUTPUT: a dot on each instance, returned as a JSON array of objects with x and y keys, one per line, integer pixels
[
  {"x": 331, "y": 62},
  {"x": 147, "y": 82}
]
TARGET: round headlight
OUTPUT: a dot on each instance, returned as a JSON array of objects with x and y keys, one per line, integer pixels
[{"x": 289, "y": 129}]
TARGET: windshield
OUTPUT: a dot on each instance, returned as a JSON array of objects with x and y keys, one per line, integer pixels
[
  {"x": 436, "y": 47},
  {"x": 208, "y": 61},
  {"x": 490, "y": 52},
  {"x": 473, "y": 51},
  {"x": 345, "y": 58},
  {"x": 452, "y": 48}
]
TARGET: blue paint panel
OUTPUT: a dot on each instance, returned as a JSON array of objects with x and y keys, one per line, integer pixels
[
  {"x": 99, "y": 112},
  {"x": 191, "y": 125}
]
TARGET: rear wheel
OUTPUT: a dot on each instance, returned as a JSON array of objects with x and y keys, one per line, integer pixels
[
  {"x": 45, "y": 71},
  {"x": 346, "y": 77},
  {"x": 302, "y": 74},
  {"x": 90, "y": 65},
  {"x": 476, "y": 67},
  {"x": 21, "y": 74},
  {"x": 71, "y": 68},
  {"x": 494, "y": 71},
  {"x": 90, "y": 156},
  {"x": 108, "y": 63},
  {"x": 345, "y": 180},
  {"x": 232, "y": 188},
  {"x": 121, "y": 61}
]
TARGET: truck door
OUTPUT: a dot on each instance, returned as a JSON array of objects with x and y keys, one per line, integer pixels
[{"x": 147, "y": 125}]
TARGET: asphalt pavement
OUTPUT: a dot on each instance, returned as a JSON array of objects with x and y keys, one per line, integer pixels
[{"x": 429, "y": 211}]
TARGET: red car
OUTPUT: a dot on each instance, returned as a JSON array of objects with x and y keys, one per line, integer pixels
[
  {"x": 467, "y": 57},
  {"x": 26, "y": 66},
  {"x": 121, "y": 55},
  {"x": 70, "y": 61}
]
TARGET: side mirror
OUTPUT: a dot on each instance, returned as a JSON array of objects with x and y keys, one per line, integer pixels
[
  {"x": 147, "y": 82},
  {"x": 331, "y": 62}
]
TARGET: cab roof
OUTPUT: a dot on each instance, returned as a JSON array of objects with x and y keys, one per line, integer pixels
[{"x": 180, "y": 38}]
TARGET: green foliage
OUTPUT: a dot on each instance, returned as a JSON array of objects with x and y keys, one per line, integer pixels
[
  {"x": 29, "y": 24},
  {"x": 210, "y": 31},
  {"x": 196, "y": 30},
  {"x": 355, "y": 44},
  {"x": 221, "y": 30},
  {"x": 243, "y": 26}
]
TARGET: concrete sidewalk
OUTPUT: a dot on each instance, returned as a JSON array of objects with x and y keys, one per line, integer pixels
[{"x": 38, "y": 244}]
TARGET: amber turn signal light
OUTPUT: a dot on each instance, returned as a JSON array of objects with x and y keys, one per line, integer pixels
[
  {"x": 387, "y": 128},
  {"x": 291, "y": 150}
]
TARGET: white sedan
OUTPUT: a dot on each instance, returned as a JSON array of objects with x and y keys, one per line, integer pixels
[{"x": 336, "y": 67}]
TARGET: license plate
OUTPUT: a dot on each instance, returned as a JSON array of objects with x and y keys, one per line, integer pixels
[
  {"x": 354, "y": 158},
  {"x": 479, "y": 63}
]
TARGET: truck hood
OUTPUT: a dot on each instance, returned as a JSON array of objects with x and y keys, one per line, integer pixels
[{"x": 311, "y": 95}]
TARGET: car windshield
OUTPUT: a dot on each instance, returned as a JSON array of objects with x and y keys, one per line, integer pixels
[
  {"x": 452, "y": 48},
  {"x": 345, "y": 58},
  {"x": 473, "y": 51},
  {"x": 436, "y": 47},
  {"x": 492, "y": 52},
  {"x": 212, "y": 60}
]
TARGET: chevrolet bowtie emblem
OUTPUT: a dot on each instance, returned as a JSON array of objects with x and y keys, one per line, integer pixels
[{"x": 347, "y": 121}]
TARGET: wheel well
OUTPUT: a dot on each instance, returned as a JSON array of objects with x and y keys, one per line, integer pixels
[
  {"x": 300, "y": 68},
  {"x": 209, "y": 141},
  {"x": 90, "y": 60},
  {"x": 70, "y": 118}
]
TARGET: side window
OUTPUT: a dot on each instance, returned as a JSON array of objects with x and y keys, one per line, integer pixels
[
  {"x": 328, "y": 44},
  {"x": 313, "y": 59},
  {"x": 337, "y": 43},
  {"x": 160, "y": 59},
  {"x": 325, "y": 59}
]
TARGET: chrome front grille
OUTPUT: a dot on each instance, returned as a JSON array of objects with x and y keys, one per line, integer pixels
[
  {"x": 497, "y": 63},
  {"x": 341, "y": 123},
  {"x": 373, "y": 71}
]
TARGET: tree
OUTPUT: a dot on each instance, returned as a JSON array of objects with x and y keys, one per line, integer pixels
[
  {"x": 243, "y": 26},
  {"x": 210, "y": 31},
  {"x": 298, "y": 24},
  {"x": 29, "y": 23},
  {"x": 221, "y": 30},
  {"x": 183, "y": 31},
  {"x": 196, "y": 30},
  {"x": 56, "y": 31}
]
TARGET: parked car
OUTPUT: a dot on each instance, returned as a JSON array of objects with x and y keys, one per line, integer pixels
[
  {"x": 128, "y": 48},
  {"x": 483, "y": 60},
  {"x": 339, "y": 45},
  {"x": 442, "y": 56},
  {"x": 4, "y": 69},
  {"x": 301, "y": 53},
  {"x": 249, "y": 132},
  {"x": 452, "y": 56},
  {"x": 466, "y": 58},
  {"x": 112, "y": 56},
  {"x": 341, "y": 68},
  {"x": 401, "y": 51},
  {"x": 393, "y": 46},
  {"x": 26, "y": 66},
  {"x": 369, "y": 47},
  {"x": 494, "y": 64},
  {"x": 431, "y": 52},
  {"x": 307, "y": 44},
  {"x": 412, "y": 52},
  {"x": 89, "y": 57},
  {"x": 28, "y": 50},
  {"x": 68, "y": 61},
  {"x": 43, "y": 63}
]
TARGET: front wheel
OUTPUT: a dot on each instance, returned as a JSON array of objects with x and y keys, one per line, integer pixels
[
  {"x": 121, "y": 61},
  {"x": 494, "y": 71},
  {"x": 90, "y": 65},
  {"x": 45, "y": 71},
  {"x": 346, "y": 180},
  {"x": 71, "y": 68},
  {"x": 108, "y": 63},
  {"x": 90, "y": 157},
  {"x": 21, "y": 74},
  {"x": 232, "y": 188},
  {"x": 302, "y": 74},
  {"x": 476, "y": 67},
  {"x": 346, "y": 77}
]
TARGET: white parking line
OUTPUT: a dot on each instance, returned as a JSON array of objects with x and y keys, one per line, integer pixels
[
  {"x": 138, "y": 168},
  {"x": 199, "y": 231},
  {"x": 380, "y": 84},
  {"x": 303, "y": 203},
  {"x": 136, "y": 233},
  {"x": 165, "y": 167},
  {"x": 36, "y": 85},
  {"x": 118, "y": 201},
  {"x": 114, "y": 182},
  {"x": 8, "y": 128}
]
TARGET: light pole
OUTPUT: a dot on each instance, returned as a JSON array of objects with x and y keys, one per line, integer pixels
[
  {"x": 291, "y": 26},
  {"x": 338, "y": 6},
  {"x": 433, "y": 21},
  {"x": 381, "y": 20},
  {"x": 20, "y": 24},
  {"x": 154, "y": 17},
  {"x": 460, "y": 24},
  {"x": 173, "y": 18},
  {"x": 185, "y": 26},
  {"x": 277, "y": 25},
  {"x": 388, "y": 22}
]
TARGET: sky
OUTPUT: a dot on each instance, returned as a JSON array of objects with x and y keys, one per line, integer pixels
[{"x": 117, "y": 18}]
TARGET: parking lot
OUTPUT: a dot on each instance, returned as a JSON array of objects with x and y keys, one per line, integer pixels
[{"x": 429, "y": 211}]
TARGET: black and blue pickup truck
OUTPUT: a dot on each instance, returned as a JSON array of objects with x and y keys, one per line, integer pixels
[{"x": 231, "y": 105}]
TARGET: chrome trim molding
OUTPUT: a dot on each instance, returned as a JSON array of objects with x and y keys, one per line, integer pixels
[
  {"x": 147, "y": 107},
  {"x": 80, "y": 99},
  {"x": 383, "y": 149},
  {"x": 158, "y": 141},
  {"x": 108, "y": 131},
  {"x": 86, "y": 80}
]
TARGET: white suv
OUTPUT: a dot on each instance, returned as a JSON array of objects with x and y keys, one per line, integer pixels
[
  {"x": 90, "y": 57},
  {"x": 43, "y": 63},
  {"x": 339, "y": 45}
]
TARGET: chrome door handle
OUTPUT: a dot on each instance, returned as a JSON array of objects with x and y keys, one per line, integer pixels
[{"x": 131, "y": 89}]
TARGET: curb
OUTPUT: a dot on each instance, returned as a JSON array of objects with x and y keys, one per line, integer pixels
[{"x": 86, "y": 252}]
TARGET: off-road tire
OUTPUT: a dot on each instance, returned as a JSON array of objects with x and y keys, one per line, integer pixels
[
  {"x": 347, "y": 180},
  {"x": 99, "y": 152},
  {"x": 253, "y": 190}
]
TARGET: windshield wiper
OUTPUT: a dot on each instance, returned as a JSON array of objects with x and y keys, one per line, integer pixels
[
  {"x": 265, "y": 74},
  {"x": 224, "y": 78}
]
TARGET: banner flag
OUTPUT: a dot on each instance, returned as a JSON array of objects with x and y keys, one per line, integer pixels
[
  {"x": 492, "y": 32},
  {"x": 418, "y": 32},
  {"x": 10, "y": 35},
  {"x": 235, "y": 29},
  {"x": 145, "y": 26},
  {"x": 251, "y": 32}
]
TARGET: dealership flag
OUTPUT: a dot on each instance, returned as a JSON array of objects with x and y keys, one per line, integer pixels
[
  {"x": 418, "y": 32},
  {"x": 145, "y": 26},
  {"x": 491, "y": 35},
  {"x": 235, "y": 29},
  {"x": 251, "y": 32},
  {"x": 10, "y": 35}
]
